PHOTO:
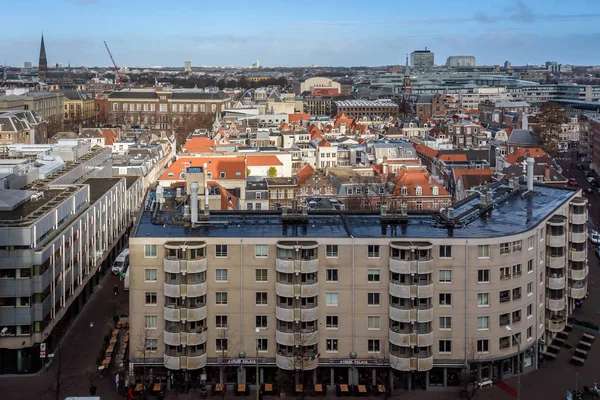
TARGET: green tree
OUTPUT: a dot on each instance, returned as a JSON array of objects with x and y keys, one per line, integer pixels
[
  {"x": 272, "y": 171},
  {"x": 550, "y": 118}
]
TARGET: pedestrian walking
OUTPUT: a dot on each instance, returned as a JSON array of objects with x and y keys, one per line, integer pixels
[
  {"x": 117, "y": 382},
  {"x": 116, "y": 290},
  {"x": 130, "y": 393}
]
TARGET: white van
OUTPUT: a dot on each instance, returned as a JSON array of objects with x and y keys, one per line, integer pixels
[
  {"x": 126, "y": 280},
  {"x": 121, "y": 263}
]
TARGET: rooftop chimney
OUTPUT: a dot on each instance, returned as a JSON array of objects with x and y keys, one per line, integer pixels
[
  {"x": 194, "y": 187},
  {"x": 450, "y": 212},
  {"x": 530, "y": 163},
  {"x": 547, "y": 176}
]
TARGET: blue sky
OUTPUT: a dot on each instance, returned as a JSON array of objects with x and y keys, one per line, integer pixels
[{"x": 296, "y": 33}]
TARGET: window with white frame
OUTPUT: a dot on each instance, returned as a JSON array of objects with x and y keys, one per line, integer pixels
[
  {"x": 261, "y": 251},
  {"x": 445, "y": 322},
  {"x": 221, "y": 298},
  {"x": 483, "y": 346},
  {"x": 445, "y": 276},
  {"x": 332, "y": 322},
  {"x": 261, "y": 298},
  {"x": 373, "y": 322},
  {"x": 261, "y": 275},
  {"x": 261, "y": 321},
  {"x": 373, "y": 275},
  {"x": 483, "y": 276},
  {"x": 150, "y": 298},
  {"x": 483, "y": 299},
  {"x": 418, "y": 190},
  {"x": 483, "y": 322},
  {"x": 517, "y": 246},
  {"x": 483, "y": 251},
  {"x": 332, "y": 298},
  {"x": 151, "y": 345},
  {"x": 221, "y": 275},
  {"x": 373, "y": 251},
  {"x": 445, "y": 346},
  {"x": 331, "y": 345},
  {"x": 373, "y": 346},
  {"x": 150, "y": 321},
  {"x": 331, "y": 275},
  {"x": 373, "y": 299},
  {"x": 445, "y": 299},
  {"x": 150, "y": 251},
  {"x": 504, "y": 248},
  {"x": 331, "y": 251},
  {"x": 530, "y": 242},
  {"x": 150, "y": 275},
  {"x": 445, "y": 251},
  {"x": 221, "y": 321},
  {"x": 221, "y": 345},
  {"x": 262, "y": 344},
  {"x": 221, "y": 250}
]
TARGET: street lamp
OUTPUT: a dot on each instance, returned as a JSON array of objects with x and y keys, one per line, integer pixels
[
  {"x": 508, "y": 328},
  {"x": 257, "y": 380}
]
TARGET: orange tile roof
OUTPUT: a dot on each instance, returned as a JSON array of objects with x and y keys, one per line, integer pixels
[
  {"x": 324, "y": 143},
  {"x": 109, "y": 136},
  {"x": 427, "y": 151},
  {"x": 230, "y": 165},
  {"x": 199, "y": 145},
  {"x": 453, "y": 157},
  {"x": 413, "y": 178},
  {"x": 257, "y": 161},
  {"x": 284, "y": 127},
  {"x": 523, "y": 152},
  {"x": 297, "y": 117},
  {"x": 304, "y": 173}
]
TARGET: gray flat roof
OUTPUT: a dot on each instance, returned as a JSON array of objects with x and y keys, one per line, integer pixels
[{"x": 512, "y": 214}]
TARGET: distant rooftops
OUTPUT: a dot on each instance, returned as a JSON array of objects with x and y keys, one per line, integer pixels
[
  {"x": 175, "y": 94},
  {"x": 366, "y": 103}
]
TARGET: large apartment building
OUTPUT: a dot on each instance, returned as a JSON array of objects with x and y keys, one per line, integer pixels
[
  {"x": 59, "y": 235},
  {"x": 405, "y": 300}
]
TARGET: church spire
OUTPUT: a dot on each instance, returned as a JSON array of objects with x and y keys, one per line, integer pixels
[
  {"x": 407, "y": 81},
  {"x": 43, "y": 62}
]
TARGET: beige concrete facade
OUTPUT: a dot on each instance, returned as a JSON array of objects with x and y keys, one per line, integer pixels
[{"x": 419, "y": 306}]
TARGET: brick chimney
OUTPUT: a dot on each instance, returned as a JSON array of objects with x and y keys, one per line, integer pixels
[{"x": 547, "y": 173}]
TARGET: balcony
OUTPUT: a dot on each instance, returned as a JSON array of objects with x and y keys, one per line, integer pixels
[
  {"x": 555, "y": 283},
  {"x": 284, "y": 314},
  {"x": 411, "y": 267},
  {"x": 398, "y": 289},
  {"x": 578, "y": 255},
  {"x": 309, "y": 266},
  {"x": 424, "y": 364},
  {"x": 194, "y": 290},
  {"x": 425, "y": 315},
  {"x": 171, "y": 265},
  {"x": 399, "y": 339},
  {"x": 195, "y": 362},
  {"x": 297, "y": 338},
  {"x": 291, "y": 363},
  {"x": 194, "y": 338},
  {"x": 309, "y": 289},
  {"x": 555, "y": 304},
  {"x": 557, "y": 241},
  {"x": 556, "y": 324},
  {"x": 578, "y": 274},
  {"x": 308, "y": 314},
  {"x": 578, "y": 219},
  {"x": 285, "y": 266},
  {"x": 578, "y": 237},
  {"x": 171, "y": 362},
  {"x": 411, "y": 339},
  {"x": 285, "y": 289},
  {"x": 400, "y": 315},
  {"x": 171, "y": 290},
  {"x": 196, "y": 266},
  {"x": 399, "y": 362},
  {"x": 172, "y": 339},
  {"x": 555, "y": 261},
  {"x": 171, "y": 314},
  {"x": 578, "y": 292},
  {"x": 196, "y": 314}
]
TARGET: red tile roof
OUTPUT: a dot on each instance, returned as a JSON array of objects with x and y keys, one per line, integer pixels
[
  {"x": 453, "y": 157},
  {"x": 427, "y": 151},
  {"x": 234, "y": 167},
  {"x": 413, "y": 178},
  {"x": 199, "y": 145},
  {"x": 257, "y": 161},
  {"x": 523, "y": 152},
  {"x": 304, "y": 173},
  {"x": 298, "y": 117}
]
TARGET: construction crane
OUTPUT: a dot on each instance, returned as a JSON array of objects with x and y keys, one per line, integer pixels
[{"x": 117, "y": 73}]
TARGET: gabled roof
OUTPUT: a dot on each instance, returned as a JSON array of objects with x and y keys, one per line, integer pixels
[
  {"x": 234, "y": 167},
  {"x": 257, "y": 161},
  {"x": 523, "y": 152},
  {"x": 426, "y": 151},
  {"x": 452, "y": 157},
  {"x": 298, "y": 117},
  {"x": 411, "y": 179},
  {"x": 199, "y": 145},
  {"x": 304, "y": 173}
]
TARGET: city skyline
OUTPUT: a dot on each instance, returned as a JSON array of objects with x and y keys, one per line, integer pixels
[{"x": 333, "y": 34}]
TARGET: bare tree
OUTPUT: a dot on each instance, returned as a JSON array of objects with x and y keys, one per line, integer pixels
[
  {"x": 63, "y": 373},
  {"x": 550, "y": 118},
  {"x": 370, "y": 192},
  {"x": 383, "y": 374},
  {"x": 468, "y": 378},
  {"x": 91, "y": 374},
  {"x": 228, "y": 351},
  {"x": 145, "y": 346},
  {"x": 302, "y": 339}
]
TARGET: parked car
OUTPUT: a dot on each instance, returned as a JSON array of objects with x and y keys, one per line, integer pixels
[
  {"x": 587, "y": 174},
  {"x": 594, "y": 237},
  {"x": 572, "y": 181},
  {"x": 121, "y": 262}
]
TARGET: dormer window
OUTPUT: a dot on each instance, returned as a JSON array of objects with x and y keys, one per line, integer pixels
[
  {"x": 418, "y": 191},
  {"x": 403, "y": 191},
  {"x": 435, "y": 190},
  {"x": 209, "y": 174},
  {"x": 222, "y": 175}
]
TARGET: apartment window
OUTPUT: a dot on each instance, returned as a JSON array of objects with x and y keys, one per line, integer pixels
[
  {"x": 331, "y": 322},
  {"x": 221, "y": 298},
  {"x": 174, "y": 108},
  {"x": 483, "y": 323},
  {"x": 150, "y": 251},
  {"x": 517, "y": 246},
  {"x": 150, "y": 275},
  {"x": 529, "y": 310},
  {"x": 221, "y": 321},
  {"x": 373, "y": 251},
  {"x": 221, "y": 345},
  {"x": 504, "y": 296},
  {"x": 445, "y": 346},
  {"x": 195, "y": 108},
  {"x": 505, "y": 273},
  {"x": 373, "y": 275},
  {"x": 221, "y": 275},
  {"x": 125, "y": 107},
  {"x": 331, "y": 275},
  {"x": 516, "y": 270},
  {"x": 445, "y": 299},
  {"x": 221, "y": 250},
  {"x": 151, "y": 298},
  {"x": 152, "y": 107},
  {"x": 202, "y": 107},
  {"x": 529, "y": 333},
  {"x": 213, "y": 108},
  {"x": 115, "y": 107},
  {"x": 483, "y": 251},
  {"x": 261, "y": 298},
  {"x": 529, "y": 266},
  {"x": 331, "y": 299},
  {"x": 332, "y": 345},
  {"x": 261, "y": 251},
  {"x": 151, "y": 345},
  {"x": 150, "y": 321},
  {"x": 261, "y": 321},
  {"x": 332, "y": 251},
  {"x": 373, "y": 322},
  {"x": 373, "y": 299},
  {"x": 445, "y": 322},
  {"x": 530, "y": 242},
  {"x": 163, "y": 108},
  {"x": 516, "y": 316},
  {"x": 483, "y": 346},
  {"x": 504, "y": 342},
  {"x": 261, "y": 275},
  {"x": 529, "y": 288},
  {"x": 504, "y": 248},
  {"x": 483, "y": 299},
  {"x": 262, "y": 344},
  {"x": 373, "y": 345},
  {"x": 445, "y": 251},
  {"x": 483, "y": 276},
  {"x": 516, "y": 293},
  {"x": 445, "y": 276}
]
